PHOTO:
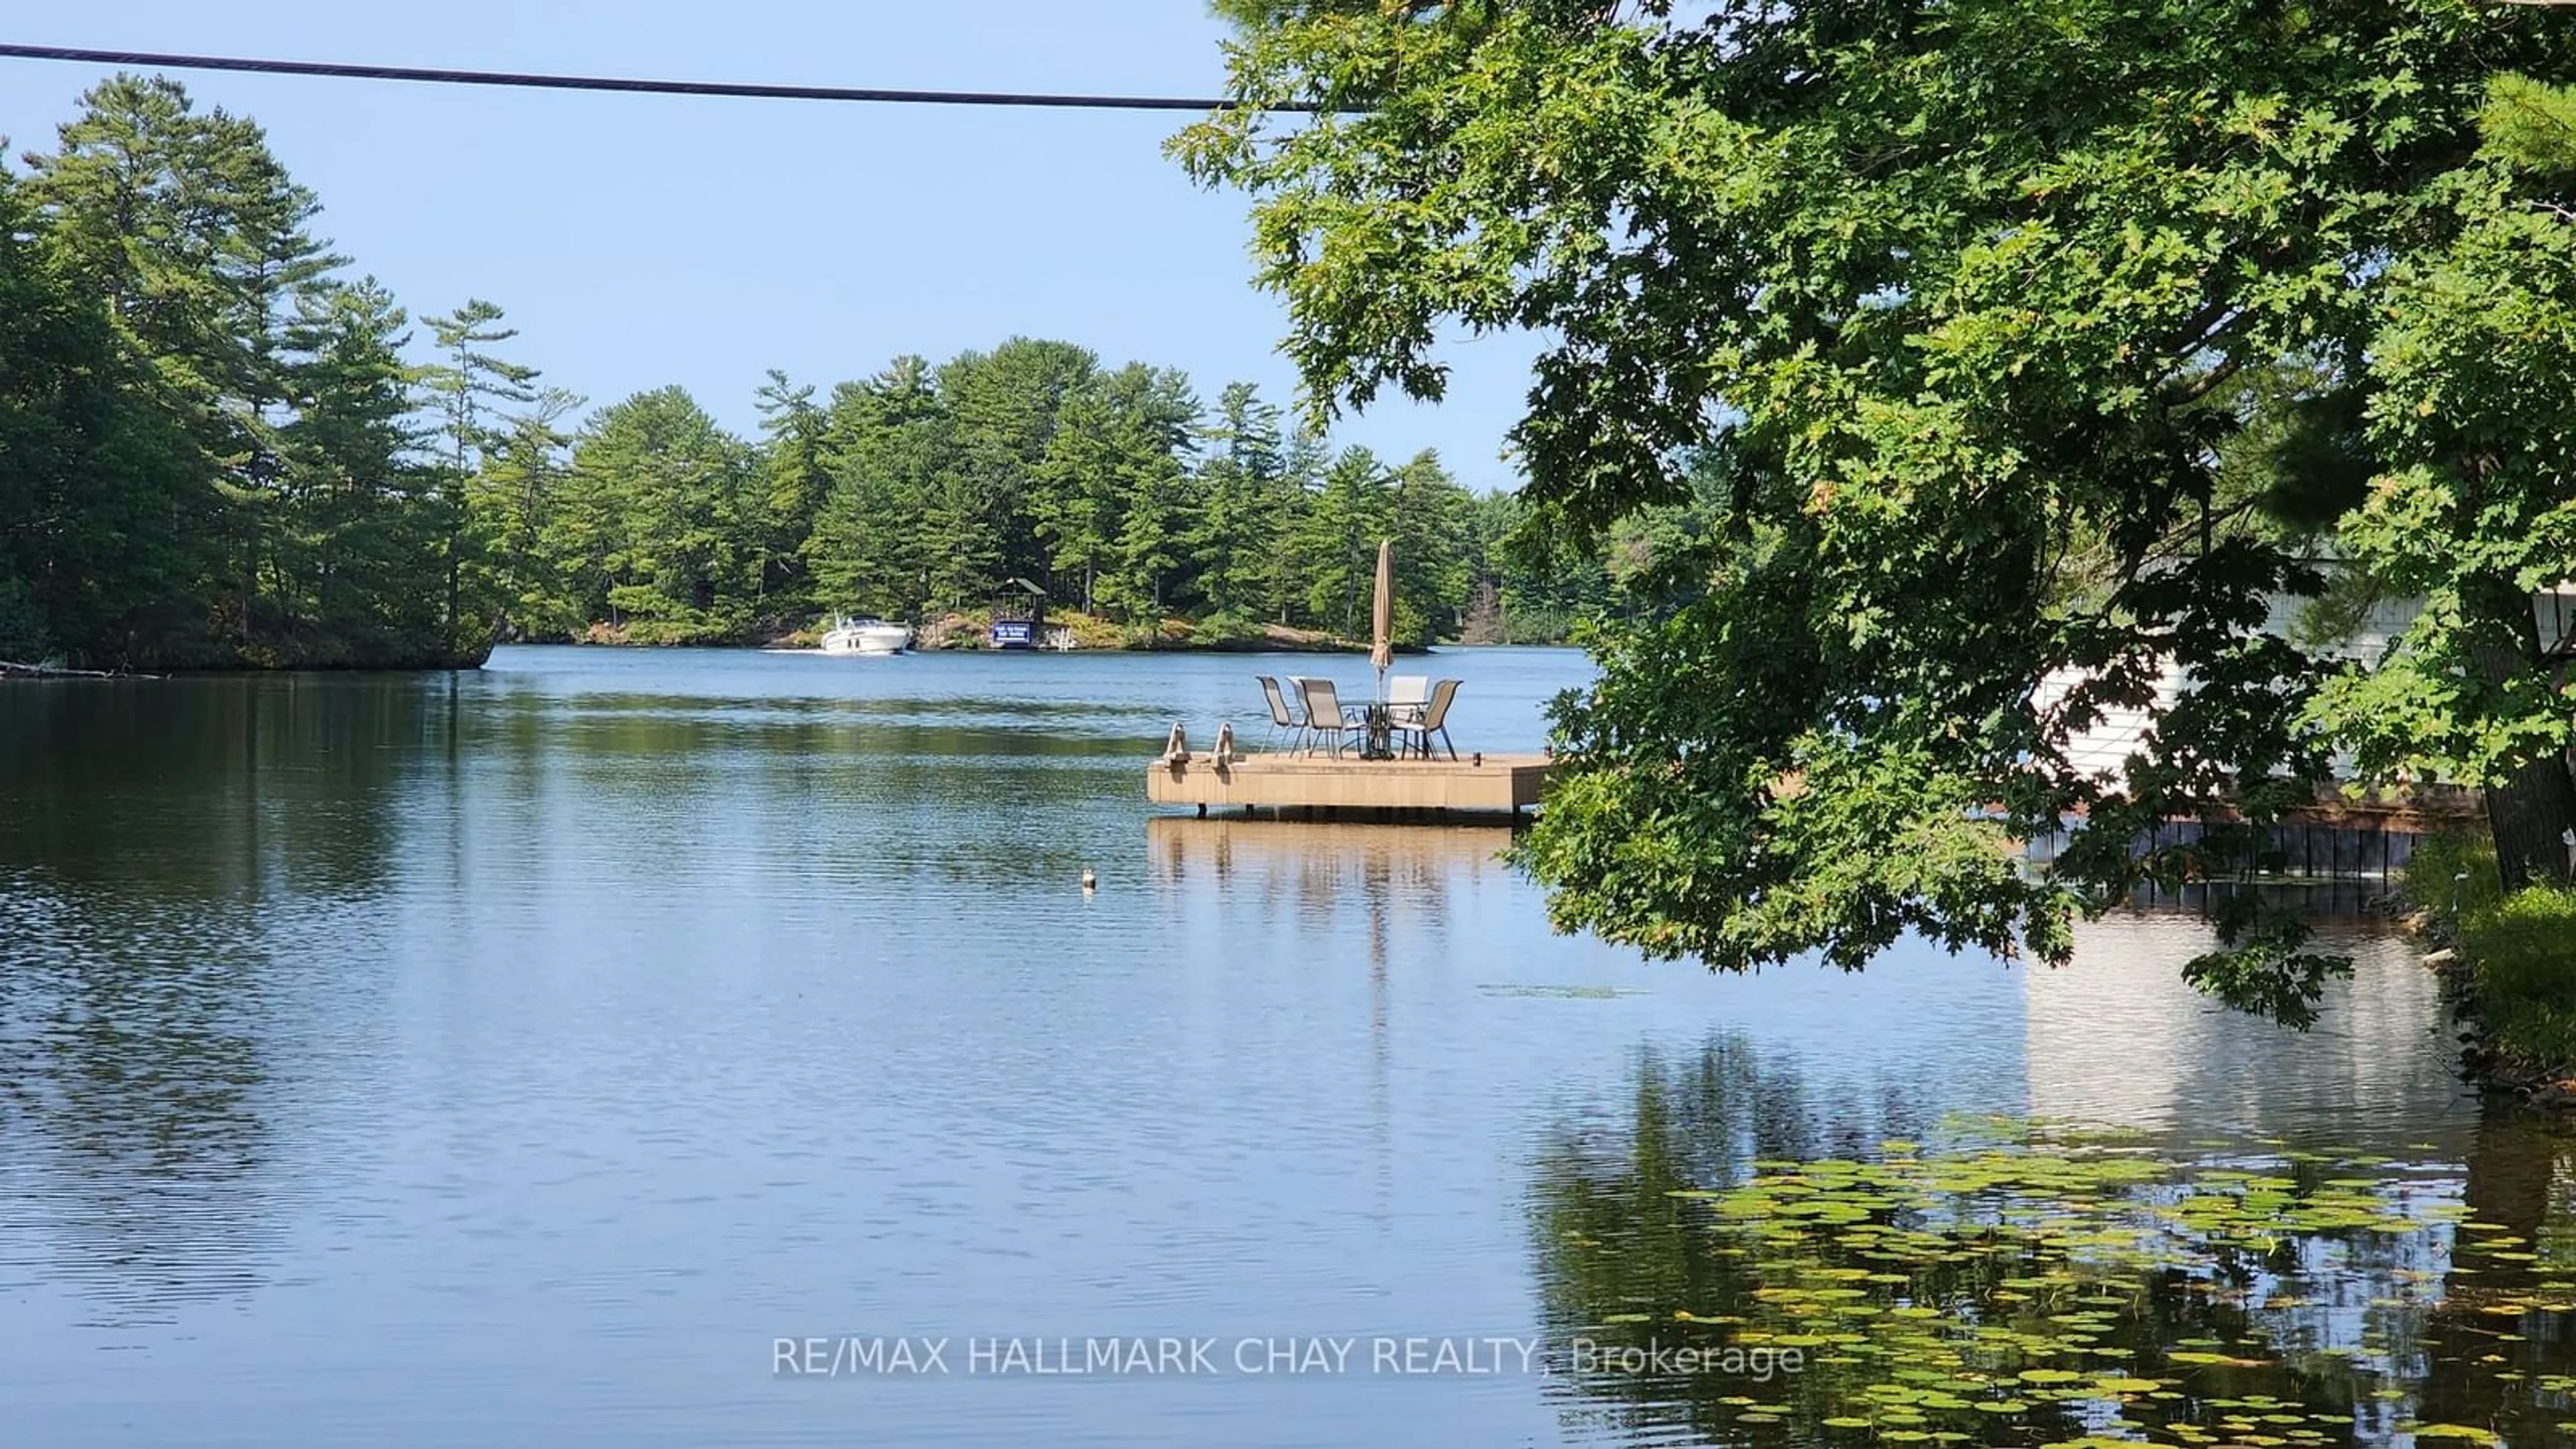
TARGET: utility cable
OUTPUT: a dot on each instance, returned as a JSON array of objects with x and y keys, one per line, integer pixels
[{"x": 156, "y": 61}]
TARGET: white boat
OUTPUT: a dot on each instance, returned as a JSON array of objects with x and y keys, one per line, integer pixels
[{"x": 866, "y": 636}]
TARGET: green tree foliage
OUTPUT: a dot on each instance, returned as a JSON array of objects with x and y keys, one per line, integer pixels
[
  {"x": 1002, "y": 408},
  {"x": 1137, "y": 504},
  {"x": 104, "y": 509},
  {"x": 887, "y": 443},
  {"x": 794, "y": 483},
  {"x": 1115, "y": 488},
  {"x": 470, "y": 385},
  {"x": 2474, "y": 413},
  {"x": 219, "y": 447},
  {"x": 266, "y": 498},
  {"x": 676, "y": 498},
  {"x": 1528, "y": 589},
  {"x": 1243, "y": 507},
  {"x": 511, "y": 504},
  {"x": 1920, "y": 303},
  {"x": 362, "y": 528},
  {"x": 1358, "y": 502},
  {"x": 1337, "y": 538}
]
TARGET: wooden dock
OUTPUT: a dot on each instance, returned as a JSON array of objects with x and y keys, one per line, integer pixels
[{"x": 1479, "y": 785}]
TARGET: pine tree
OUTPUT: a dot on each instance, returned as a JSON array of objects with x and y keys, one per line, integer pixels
[
  {"x": 1156, "y": 423},
  {"x": 682, "y": 537},
  {"x": 1337, "y": 542},
  {"x": 795, "y": 481},
  {"x": 357, "y": 542},
  {"x": 1243, "y": 492},
  {"x": 104, "y": 507},
  {"x": 200, "y": 245},
  {"x": 470, "y": 385},
  {"x": 886, "y": 449},
  {"x": 1002, "y": 408},
  {"x": 1427, "y": 520},
  {"x": 510, "y": 504}
]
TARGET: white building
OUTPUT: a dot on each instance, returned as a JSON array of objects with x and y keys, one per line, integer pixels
[{"x": 2100, "y": 749}]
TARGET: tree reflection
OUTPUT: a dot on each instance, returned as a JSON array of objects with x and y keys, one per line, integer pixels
[
  {"x": 2501, "y": 1331},
  {"x": 158, "y": 844},
  {"x": 2024, "y": 1298}
]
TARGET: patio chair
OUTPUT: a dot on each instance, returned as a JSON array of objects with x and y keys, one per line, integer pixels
[
  {"x": 1434, "y": 719},
  {"x": 1405, "y": 696},
  {"x": 1327, "y": 722},
  {"x": 1286, "y": 724}
]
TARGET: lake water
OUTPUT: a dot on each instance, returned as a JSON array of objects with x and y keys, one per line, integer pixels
[{"x": 517, "y": 1056}]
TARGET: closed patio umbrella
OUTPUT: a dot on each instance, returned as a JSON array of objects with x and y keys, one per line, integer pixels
[{"x": 1382, "y": 617}]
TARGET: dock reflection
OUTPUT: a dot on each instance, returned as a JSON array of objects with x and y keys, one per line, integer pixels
[
  {"x": 1300, "y": 852},
  {"x": 1385, "y": 893}
]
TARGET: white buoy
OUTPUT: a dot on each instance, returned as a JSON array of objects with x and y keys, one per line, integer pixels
[{"x": 1090, "y": 882}]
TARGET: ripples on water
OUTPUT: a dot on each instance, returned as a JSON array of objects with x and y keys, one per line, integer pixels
[{"x": 511, "y": 1057}]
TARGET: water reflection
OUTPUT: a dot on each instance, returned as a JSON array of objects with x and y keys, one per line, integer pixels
[
  {"x": 1419, "y": 876},
  {"x": 1614, "y": 1240},
  {"x": 132, "y": 1111},
  {"x": 166, "y": 854},
  {"x": 372, "y": 1044},
  {"x": 211, "y": 789},
  {"x": 1316, "y": 861},
  {"x": 1974, "y": 1281},
  {"x": 2119, "y": 1038}
]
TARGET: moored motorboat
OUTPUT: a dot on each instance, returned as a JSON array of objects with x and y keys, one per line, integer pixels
[{"x": 866, "y": 636}]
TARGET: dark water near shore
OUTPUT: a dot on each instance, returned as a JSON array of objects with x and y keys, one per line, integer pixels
[{"x": 515, "y": 1056}]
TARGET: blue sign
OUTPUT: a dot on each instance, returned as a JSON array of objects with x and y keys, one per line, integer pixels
[{"x": 1014, "y": 634}]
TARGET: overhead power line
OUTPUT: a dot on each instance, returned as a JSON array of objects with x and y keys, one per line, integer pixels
[{"x": 741, "y": 90}]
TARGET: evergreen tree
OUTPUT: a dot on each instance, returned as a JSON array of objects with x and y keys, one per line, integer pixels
[
  {"x": 1428, "y": 522},
  {"x": 876, "y": 533},
  {"x": 358, "y": 546},
  {"x": 213, "y": 451},
  {"x": 794, "y": 483},
  {"x": 681, "y": 537},
  {"x": 470, "y": 385},
  {"x": 511, "y": 501},
  {"x": 1243, "y": 492},
  {"x": 200, "y": 245},
  {"x": 1002, "y": 408},
  {"x": 1076, "y": 511},
  {"x": 1111, "y": 489},
  {"x": 1285, "y": 584},
  {"x": 1157, "y": 418},
  {"x": 1337, "y": 542},
  {"x": 129, "y": 222},
  {"x": 104, "y": 506}
]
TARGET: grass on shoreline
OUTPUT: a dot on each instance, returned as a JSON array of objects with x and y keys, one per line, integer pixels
[{"x": 2516, "y": 954}]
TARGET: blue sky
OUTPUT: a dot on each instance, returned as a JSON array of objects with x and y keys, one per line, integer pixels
[{"x": 638, "y": 241}]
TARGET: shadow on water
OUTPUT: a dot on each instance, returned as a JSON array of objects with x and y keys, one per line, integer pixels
[
  {"x": 2001, "y": 1282},
  {"x": 162, "y": 851}
]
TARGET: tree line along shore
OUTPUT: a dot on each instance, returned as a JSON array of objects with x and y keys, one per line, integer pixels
[{"x": 229, "y": 448}]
